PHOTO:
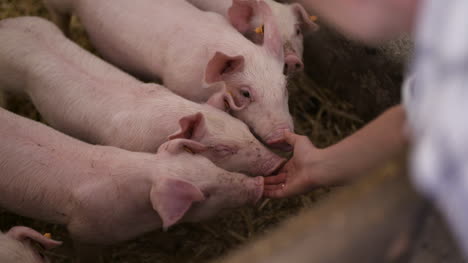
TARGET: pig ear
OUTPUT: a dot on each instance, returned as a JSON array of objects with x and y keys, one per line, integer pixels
[
  {"x": 191, "y": 127},
  {"x": 306, "y": 21},
  {"x": 22, "y": 234},
  {"x": 241, "y": 13},
  {"x": 179, "y": 145},
  {"x": 172, "y": 198},
  {"x": 272, "y": 38},
  {"x": 224, "y": 101},
  {"x": 221, "y": 66}
]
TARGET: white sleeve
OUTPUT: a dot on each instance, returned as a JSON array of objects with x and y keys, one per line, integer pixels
[{"x": 436, "y": 100}]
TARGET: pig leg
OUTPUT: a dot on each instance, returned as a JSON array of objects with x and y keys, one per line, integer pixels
[{"x": 60, "y": 11}]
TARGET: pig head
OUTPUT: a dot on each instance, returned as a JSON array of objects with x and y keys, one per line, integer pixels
[
  {"x": 292, "y": 21},
  {"x": 228, "y": 143},
  {"x": 255, "y": 87},
  {"x": 194, "y": 189}
]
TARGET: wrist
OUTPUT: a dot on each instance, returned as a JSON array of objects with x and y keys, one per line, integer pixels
[
  {"x": 327, "y": 167},
  {"x": 317, "y": 168}
]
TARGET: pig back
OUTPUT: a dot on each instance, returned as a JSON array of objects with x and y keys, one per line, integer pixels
[{"x": 39, "y": 169}]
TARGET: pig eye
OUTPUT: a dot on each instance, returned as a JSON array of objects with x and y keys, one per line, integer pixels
[
  {"x": 244, "y": 96},
  {"x": 223, "y": 151}
]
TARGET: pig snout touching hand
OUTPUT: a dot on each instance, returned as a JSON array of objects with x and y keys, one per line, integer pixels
[
  {"x": 277, "y": 139},
  {"x": 229, "y": 143},
  {"x": 255, "y": 87},
  {"x": 25, "y": 245},
  {"x": 292, "y": 19},
  {"x": 214, "y": 188},
  {"x": 248, "y": 94}
]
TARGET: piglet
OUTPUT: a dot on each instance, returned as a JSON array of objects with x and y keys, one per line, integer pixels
[
  {"x": 85, "y": 97},
  {"x": 194, "y": 53},
  {"x": 24, "y": 245},
  {"x": 292, "y": 21},
  {"x": 106, "y": 195}
]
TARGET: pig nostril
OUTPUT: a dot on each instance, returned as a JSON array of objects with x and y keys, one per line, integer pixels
[
  {"x": 298, "y": 66},
  {"x": 285, "y": 69}
]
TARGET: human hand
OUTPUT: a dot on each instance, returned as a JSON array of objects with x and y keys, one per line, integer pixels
[{"x": 300, "y": 174}]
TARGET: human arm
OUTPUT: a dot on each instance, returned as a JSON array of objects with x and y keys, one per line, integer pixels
[{"x": 338, "y": 164}]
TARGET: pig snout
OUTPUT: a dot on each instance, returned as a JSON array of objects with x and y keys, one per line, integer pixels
[
  {"x": 255, "y": 188},
  {"x": 272, "y": 164},
  {"x": 292, "y": 64},
  {"x": 276, "y": 139}
]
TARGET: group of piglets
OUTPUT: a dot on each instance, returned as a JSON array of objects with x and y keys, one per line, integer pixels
[{"x": 127, "y": 157}]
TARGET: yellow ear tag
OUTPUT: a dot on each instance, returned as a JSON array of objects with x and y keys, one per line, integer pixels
[
  {"x": 259, "y": 30},
  {"x": 48, "y": 235},
  {"x": 313, "y": 18},
  {"x": 187, "y": 149}
]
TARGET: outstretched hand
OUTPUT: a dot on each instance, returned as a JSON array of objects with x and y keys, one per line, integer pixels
[
  {"x": 300, "y": 174},
  {"x": 343, "y": 162}
]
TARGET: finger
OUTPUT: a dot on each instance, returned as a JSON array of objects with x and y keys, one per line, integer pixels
[
  {"x": 290, "y": 138},
  {"x": 275, "y": 179},
  {"x": 274, "y": 194},
  {"x": 273, "y": 187}
]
